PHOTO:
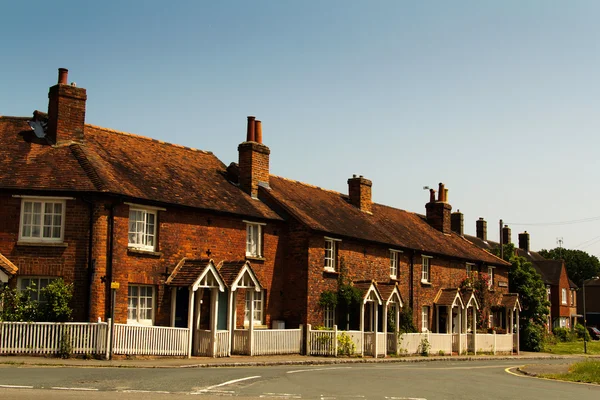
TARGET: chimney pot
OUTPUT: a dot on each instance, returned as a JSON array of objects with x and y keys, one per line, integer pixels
[
  {"x": 441, "y": 191},
  {"x": 250, "y": 130},
  {"x": 63, "y": 76},
  {"x": 431, "y": 195},
  {"x": 258, "y": 131}
]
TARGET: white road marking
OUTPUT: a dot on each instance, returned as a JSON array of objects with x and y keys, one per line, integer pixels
[
  {"x": 144, "y": 391},
  {"x": 15, "y": 387},
  {"x": 74, "y": 388},
  {"x": 281, "y": 395},
  {"x": 210, "y": 388},
  {"x": 316, "y": 369},
  {"x": 406, "y": 398},
  {"x": 508, "y": 370}
]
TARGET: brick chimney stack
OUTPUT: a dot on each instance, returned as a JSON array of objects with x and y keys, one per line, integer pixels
[
  {"x": 359, "y": 190},
  {"x": 524, "y": 241},
  {"x": 457, "y": 222},
  {"x": 253, "y": 159},
  {"x": 438, "y": 212},
  {"x": 66, "y": 111},
  {"x": 481, "y": 228},
  {"x": 506, "y": 235}
]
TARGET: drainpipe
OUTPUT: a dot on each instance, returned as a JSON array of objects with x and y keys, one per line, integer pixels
[
  {"x": 410, "y": 284},
  {"x": 91, "y": 261}
]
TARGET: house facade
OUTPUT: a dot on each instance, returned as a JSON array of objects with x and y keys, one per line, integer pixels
[{"x": 167, "y": 235}]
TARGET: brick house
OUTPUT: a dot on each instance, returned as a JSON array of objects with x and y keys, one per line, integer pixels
[
  {"x": 592, "y": 302},
  {"x": 561, "y": 291},
  {"x": 186, "y": 238}
]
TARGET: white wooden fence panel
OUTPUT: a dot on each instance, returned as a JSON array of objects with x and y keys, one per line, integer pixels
[
  {"x": 392, "y": 343},
  {"x": 222, "y": 344},
  {"x": 504, "y": 343},
  {"x": 440, "y": 342},
  {"x": 203, "y": 340},
  {"x": 369, "y": 343},
  {"x": 321, "y": 343},
  {"x": 150, "y": 340},
  {"x": 485, "y": 343},
  {"x": 277, "y": 341},
  {"x": 240, "y": 341},
  {"x": 49, "y": 337},
  {"x": 409, "y": 343},
  {"x": 381, "y": 344},
  {"x": 357, "y": 339}
]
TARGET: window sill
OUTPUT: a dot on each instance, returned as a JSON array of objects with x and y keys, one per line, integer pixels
[
  {"x": 330, "y": 271},
  {"x": 394, "y": 279},
  {"x": 133, "y": 250},
  {"x": 426, "y": 283},
  {"x": 42, "y": 244},
  {"x": 255, "y": 258}
]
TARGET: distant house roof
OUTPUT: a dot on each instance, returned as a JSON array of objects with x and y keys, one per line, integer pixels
[
  {"x": 119, "y": 163},
  {"x": 330, "y": 212}
]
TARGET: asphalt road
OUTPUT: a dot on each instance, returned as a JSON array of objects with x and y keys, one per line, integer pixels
[{"x": 426, "y": 380}]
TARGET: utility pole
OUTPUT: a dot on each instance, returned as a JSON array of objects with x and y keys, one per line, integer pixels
[{"x": 501, "y": 242}]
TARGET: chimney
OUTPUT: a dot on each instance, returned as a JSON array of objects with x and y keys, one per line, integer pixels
[
  {"x": 66, "y": 111},
  {"x": 438, "y": 212},
  {"x": 481, "y": 228},
  {"x": 506, "y": 235},
  {"x": 524, "y": 241},
  {"x": 457, "y": 222},
  {"x": 359, "y": 190},
  {"x": 253, "y": 160}
]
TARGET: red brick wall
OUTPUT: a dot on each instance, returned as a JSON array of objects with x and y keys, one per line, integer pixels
[
  {"x": 66, "y": 113},
  {"x": 558, "y": 308},
  {"x": 69, "y": 262},
  {"x": 253, "y": 166}
]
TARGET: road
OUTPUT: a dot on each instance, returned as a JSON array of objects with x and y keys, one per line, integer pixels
[{"x": 390, "y": 381}]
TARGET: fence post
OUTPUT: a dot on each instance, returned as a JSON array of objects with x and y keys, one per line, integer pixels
[
  {"x": 335, "y": 342},
  {"x": 301, "y": 327},
  {"x": 108, "y": 338},
  {"x": 308, "y": 352},
  {"x": 494, "y": 342}
]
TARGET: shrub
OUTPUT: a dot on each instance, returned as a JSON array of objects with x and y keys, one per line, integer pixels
[
  {"x": 581, "y": 332},
  {"x": 532, "y": 337},
  {"x": 407, "y": 324},
  {"x": 424, "y": 347},
  {"x": 562, "y": 334},
  {"x": 346, "y": 346}
]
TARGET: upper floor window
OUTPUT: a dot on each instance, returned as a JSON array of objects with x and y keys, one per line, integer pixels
[
  {"x": 470, "y": 267},
  {"x": 142, "y": 229},
  {"x": 564, "y": 295},
  {"x": 140, "y": 304},
  {"x": 42, "y": 220},
  {"x": 548, "y": 293},
  {"x": 425, "y": 269},
  {"x": 572, "y": 297},
  {"x": 35, "y": 286},
  {"x": 394, "y": 263},
  {"x": 330, "y": 257},
  {"x": 253, "y": 239},
  {"x": 490, "y": 277},
  {"x": 258, "y": 307}
]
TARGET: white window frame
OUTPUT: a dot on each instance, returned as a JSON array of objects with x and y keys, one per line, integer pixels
[
  {"x": 38, "y": 285},
  {"x": 425, "y": 319},
  {"x": 42, "y": 201},
  {"x": 144, "y": 234},
  {"x": 469, "y": 268},
  {"x": 548, "y": 292},
  {"x": 562, "y": 321},
  {"x": 395, "y": 263},
  {"x": 137, "y": 300},
  {"x": 564, "y": 296},
  {"x": 329, "y": 316},
  {"x": 330, "y": 254},
  {"x": 426, "y": 269},
  {"x": 259, "y": 303},
  {"x": 254, "y": 239},
  {"x": 490, "y": 277},
  {"x": 572, "y": 298}
]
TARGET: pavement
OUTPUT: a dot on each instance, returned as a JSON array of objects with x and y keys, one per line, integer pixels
[{"x": 243, "y": 361}]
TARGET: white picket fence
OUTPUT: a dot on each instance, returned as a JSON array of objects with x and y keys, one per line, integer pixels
[
  {"x": 277, "y": 341},
  {"x": 241, "y": 338},
  {"x": 150, "y": 340},
  {"x": 53, "y": 338}
]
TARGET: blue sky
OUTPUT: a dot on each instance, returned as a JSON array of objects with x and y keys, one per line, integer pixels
[{"x": 498, "y": 100}]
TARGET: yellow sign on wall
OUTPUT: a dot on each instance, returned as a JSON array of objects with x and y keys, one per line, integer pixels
[{"x": 114, "y": 285}]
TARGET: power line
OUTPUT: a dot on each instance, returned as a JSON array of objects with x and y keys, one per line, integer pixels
[
  {"x": 575, "y": 221},
  {"x": 587, "y": 241}
]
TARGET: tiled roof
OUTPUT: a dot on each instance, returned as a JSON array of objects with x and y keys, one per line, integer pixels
[
  {"x": 187, "y": 271},
  {"x": 549, "y": 270},
  {"x": 446, "y": 297},
  {"x": 510, "y": 300},
  {"x": 386, "y": 290},
  {"x": 230, "y": 270},
  {"x": 120, "y": 163},
  {"x": 467, "y": 295},
  {"x": 8, "y": 267},
  {"x": 330, "y": 212}
]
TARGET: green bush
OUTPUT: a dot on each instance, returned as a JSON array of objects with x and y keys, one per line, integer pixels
[
  {"x": 581, "y": 332},
  {"x": 17, "y": 305},
  {"x": 562, "y": 334},
  {"x": 532, "y": 337}
]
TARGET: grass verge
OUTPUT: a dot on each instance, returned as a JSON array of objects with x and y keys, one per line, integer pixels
[
  {"x": 576, "y": 347},
  {"x": 585, "y": 371}
]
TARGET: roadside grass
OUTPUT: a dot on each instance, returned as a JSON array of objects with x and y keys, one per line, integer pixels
[
  {"x": 576, "y": 347},
  {"x": 585, "y": 371}
]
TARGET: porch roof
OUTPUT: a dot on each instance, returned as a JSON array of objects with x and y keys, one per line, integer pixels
[
  {"x": 196, "y": 273},
  {"x": 449, "y": 297},
  {"x": 511, "y": 301},
  {"x": 390, "y": 293},
  {"x": 239, "y": 274},
  {"x": 468, "y": 298},
  {"x": 7, "y": 267},
  {"x": 371, "y": 291}
]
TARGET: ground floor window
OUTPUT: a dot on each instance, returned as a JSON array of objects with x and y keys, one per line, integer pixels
[
  {"x": 329, "y": 317},
  {"x": 35, "y": 285},
  {"x": 258, "y": 308},
  {"x": 425, "y": 319},
  {"x": 140, "y": 304}
]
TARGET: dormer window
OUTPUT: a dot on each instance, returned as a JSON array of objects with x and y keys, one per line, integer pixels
[{"x": 42, "y": 220}]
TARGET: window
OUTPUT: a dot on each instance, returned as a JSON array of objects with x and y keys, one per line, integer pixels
[
  {"x": 425, "y": 270},
  {"x": 470, "y": 269},
  {"x": 563, "y": 322},
  {"x": 140, "y": 304},
  {"x": 329, "y": 317},
  {"x": 572, "y": 297},
  {"x": 394, "y": 263},
  {"x": 35, "y": 284},
  {"x": 253, "y": 239},
  {"x": 548, "y": 293},
  {"x": 42, "y": 220},
  {"x": 490, "y": 277},
  {"x": 424, "y": 319},
  {"x": 330, "y": 259},
  {"x": 564, "y": 295},
  {"x": 258, "y": 307},
  {"x": 142, "y": 229}
]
